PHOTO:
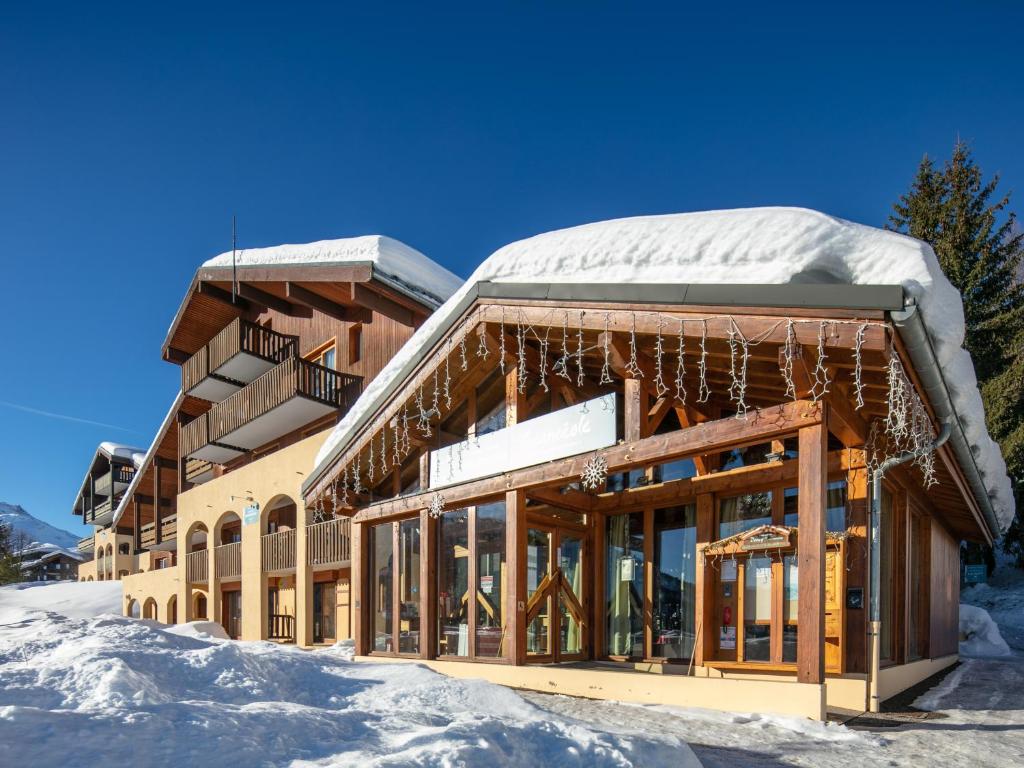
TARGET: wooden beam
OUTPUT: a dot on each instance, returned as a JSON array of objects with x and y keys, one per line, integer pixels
[
  {"x": 636, "y": 409},
  {"x": 565, "y": 498},
  {"x": 269, "y": 300},
  {"x": 148, "y": 500},
  {"x": 163, "y": 463},
  {"x": 219, "y": 294},
  {"x": 717, "y": 435},
  {"x": 373, "y": 301},
  {"x": 176, "y": 356},
  {"x": 810, "y": 654},
  {"x": 304, "y": 296},
  {"x": 844, "y": 421},
  {"x": 514, "y": 609}
]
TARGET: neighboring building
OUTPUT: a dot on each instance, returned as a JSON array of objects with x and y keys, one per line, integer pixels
[
  {"x": 647, "y": 445},
  {"x": 273, "y": 351},
  {"x": 111, "y": 471},
  {"x": 48, "y": 562}
]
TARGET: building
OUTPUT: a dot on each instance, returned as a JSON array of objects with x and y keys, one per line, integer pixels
[
  {"x": 275, "y": 345},
  {"x": 48, "y": 562},
  {"x": 111, "y": 471},
  {"x": 635, "y": 460}
]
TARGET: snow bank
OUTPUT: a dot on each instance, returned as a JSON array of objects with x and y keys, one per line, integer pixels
[
  {"x": 203, "y": 630},
  {"x": 755, "y": 245},
  {"x": 77, "y": 599},
  {"x": 979, "y": 635},
  {"x": 109, "y": 690},
  {"x": 394, "y": 261}
]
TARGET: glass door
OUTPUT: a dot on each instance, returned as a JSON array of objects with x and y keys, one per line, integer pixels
[{"x": 556, "y": 622}]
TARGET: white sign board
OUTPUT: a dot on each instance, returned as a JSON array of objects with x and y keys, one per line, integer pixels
[
  {"x": 577, "y": 429},
  {"x": 251, "y": 514}
]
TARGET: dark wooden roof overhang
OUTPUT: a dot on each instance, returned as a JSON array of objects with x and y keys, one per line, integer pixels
[{"x": 348, "y": 292}]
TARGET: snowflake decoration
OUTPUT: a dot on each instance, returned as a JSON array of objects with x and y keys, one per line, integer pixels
[
  {"x": 595, "y": 473},
  {"x": 436, "y": 508}
]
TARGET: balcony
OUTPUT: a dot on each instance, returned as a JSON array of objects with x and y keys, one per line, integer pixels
[
  {"x": 168, "y": 533},
  {"x": 197, "y": 566},
  {"x": 227, "y": 559},
  {"x": 328, "y": 544},
  {"x": 86, "y": 545},
  {"x": 279, "y": 551},
  {"x": 198, "y": 471},
  {"x": 288, "y": 396},
  {"x": 239, "y": 354},
  {"x": 120, "y": 476}
]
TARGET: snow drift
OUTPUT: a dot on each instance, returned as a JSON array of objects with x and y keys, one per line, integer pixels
[
  {"x": 755, "y": 245},
  {"x": 107, "y": 690},
  {"x": 979, "y": 635}
]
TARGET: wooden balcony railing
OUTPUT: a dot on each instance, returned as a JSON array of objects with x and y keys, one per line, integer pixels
[
  {"x": 194, "y": 435},
  {"x": 197, "y": 566},
  {"x": 251, "y": 338},
  {"x": 228, "y": 560},
  {"x": 278, "y": 385},
  {"x": 280, "y": 627},
  {"x": 87, "y": 544},
  {"x": 279, "y": 551},
  {"x": 195, "y": 369},
  {"x": 196, "y": 468},
  {"x": 168, "y": 530},
  {"x": 329, "y": 542}
]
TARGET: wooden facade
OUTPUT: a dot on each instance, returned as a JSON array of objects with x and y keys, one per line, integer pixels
[{"x": 731, "y": 535}]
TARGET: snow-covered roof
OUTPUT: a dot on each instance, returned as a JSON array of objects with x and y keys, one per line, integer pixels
[
  {"x": 394, "y": 262},
  {"x": 748, "y": 246},
  {"x": 121, "y": 451}
]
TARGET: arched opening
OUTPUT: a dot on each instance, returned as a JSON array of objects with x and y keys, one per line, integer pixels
[
  {"x": 149, "y": 609},
  {"x": 89, "y": 579},
  {"x": 228, "y": 529},
  {"x": 172, "y": 610},
  {"x": 199, "y": 605},
  {"x": 277, "y": 598},
  {"x": 133, "y": 610}
]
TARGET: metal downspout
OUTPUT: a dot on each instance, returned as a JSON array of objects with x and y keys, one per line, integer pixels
[{"x": 876, "y": 580}]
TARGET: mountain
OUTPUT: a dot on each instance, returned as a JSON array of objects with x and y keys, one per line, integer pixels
[{"x": 35, "y": 531}]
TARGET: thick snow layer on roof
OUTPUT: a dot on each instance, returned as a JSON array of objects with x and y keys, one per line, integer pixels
[
  {"x": 744, "y": 246},
  {"x": 406, "y": 268},
  {"x": 121, "y": 451}
]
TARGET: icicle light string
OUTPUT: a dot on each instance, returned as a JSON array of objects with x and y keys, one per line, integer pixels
[
  {"x": 633, "y": 366},
  {"x": 606, "y": 366},
  {"x": 821, "y": 378},
  {"x": 660, "y": 388},
  {"x": 520, "y": 357},
  {"x": 858, "y": 368},
  {"x": 448, "y": 377},
  {"x": 703, "y": 391},
  {"x": 579, "y": 353},
  {"x": 681, "y": 365},
  {"x": 544, "y": 361},
  {"x": 501, "y": 342},
  {"x": 561, "y": 367},
  {"x": 789, "y": 349}
]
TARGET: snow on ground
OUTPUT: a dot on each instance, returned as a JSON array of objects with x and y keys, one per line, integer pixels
[
  {"x": 74, "y": 599},
  {"x": 108, "y": 690}
]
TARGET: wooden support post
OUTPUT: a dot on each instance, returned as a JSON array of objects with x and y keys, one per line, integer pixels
[
  {"x": 810, "y": 654},
  {"x": 428, "y": 577},
  {"x": 704, "y": 605},
  {"x": 515, "y": 403},
  {"x": 514, "y": 610},
  {"x": 357, "y": 598},
  {"x": 636, "y": 410},
  {"x": 137, "y": 522},
  {"x": 158, "y": 515}
]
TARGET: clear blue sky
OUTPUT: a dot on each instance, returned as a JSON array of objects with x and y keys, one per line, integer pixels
[{"x": 129, "y": 135}]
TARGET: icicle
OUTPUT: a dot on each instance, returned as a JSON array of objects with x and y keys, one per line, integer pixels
[
  {"x": 383, "y": 450},
  {"x": 579, "y": 354},
  {"x": 606, "y": 344},
  {"x": 435, "y": 405},
  {"x": 544, "y": 360},
  {"x": 858, "y": 367},
  {"x": 396, "y": 459},
  {"x": 561, "y": 366},
  {"x": 821, "y": 379},
  {"x": 738, "y": 375},
  {"x": 703, "y": 391},
  {"x": 659, "y": 351},
  {"x": 423, "y": 418},
  {"x": 357, "y": 485},
  {"x": 369, "y": 464},
  {"x": 462, "y": 350},
  {"x": 520, "y": 357},
  {"x": 406, "y": 439},
  {"x": 681, "y": 365},
  {"x": 344, "y": 487},
  {"x": 633, "y": 367},
  {"x": 501, "y": 343},
  {"x": 789, "y": 348}
]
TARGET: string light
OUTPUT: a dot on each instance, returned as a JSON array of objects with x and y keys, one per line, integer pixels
[
  {"x": 633, "y": 366},
  {"x": 605, "y": 343},
  {"x": 681, "y": 365},
  {"x": 821, "y": 379},
  {"x": 660, "y": 387},
  {"x": 858, "y": 367},
  {"x": 703, "y": 391}
]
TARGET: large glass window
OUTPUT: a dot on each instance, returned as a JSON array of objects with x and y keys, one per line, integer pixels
[
  {"x": 741, "y": 513},
  {"x": 409, "y": 586},
  {"x": 835, "y": 506},
  {"x": 453, "y": 584},
  {"x": 538, "y": 559},
  {"x": 624, "y": 587},
  {"x": 757, "y": 609},
  {"x": 570, "y": 563},
  {"x": 490, "y": 576},
  {"x": 675, "y": 574},
  {"x": 790, "y": 607},
  {"x": 381, "y": 605}
]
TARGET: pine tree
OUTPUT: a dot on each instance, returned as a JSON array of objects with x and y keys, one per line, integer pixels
[
  {"x": 10, "y": 568},
  {"x": 981, "y": 250}
]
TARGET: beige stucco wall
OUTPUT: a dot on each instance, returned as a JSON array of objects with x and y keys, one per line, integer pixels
[
  {"x": 264, "y": 481},
  {"x": 119, "y": 562},
  {"x": 162, "y": 585},
  {"x": 893, "y": 680}
]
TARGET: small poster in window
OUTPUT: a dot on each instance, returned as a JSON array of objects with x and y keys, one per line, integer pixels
[
  {"x": 764, "y": 575},
  {"x": 727, "y": 639},
  {"x": 627, "y": 567},
  {"x": 728, "y": 570},
  {"x": 487, "y": 584}
]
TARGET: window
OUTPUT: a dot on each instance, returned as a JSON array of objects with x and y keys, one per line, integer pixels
[
  {"x": 624, "y": 588},
  {"x": 742, "y": 513},
  {"x": 490, "y": 404},
  {"x": 395, "y": 586},
  {"x": 790, "y": 607},
  {"x": 835, "y": 506},
  {"x": 381, "y": 606},
  {"x": 409, "y": 586},
  {"x": 471, "y": 582},
  {"x": 675, "y": 581},
  {"x": 757, "y": 609}
]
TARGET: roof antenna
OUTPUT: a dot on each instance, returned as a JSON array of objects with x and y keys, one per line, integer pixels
[{"x": 234, "y": 266}]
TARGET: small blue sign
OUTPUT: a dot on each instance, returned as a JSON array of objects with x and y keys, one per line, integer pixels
[
  {"x": 975, "y": 574},
  {"x": 251, "y": 514}
]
